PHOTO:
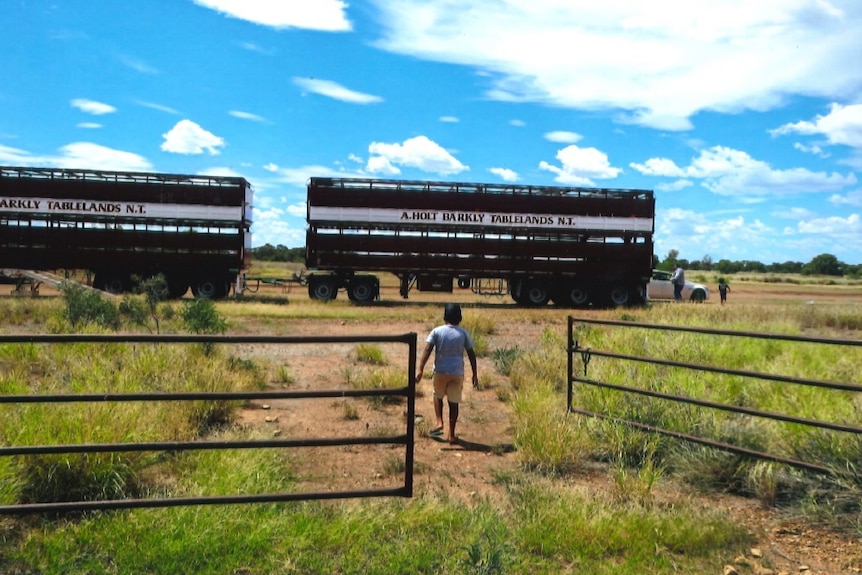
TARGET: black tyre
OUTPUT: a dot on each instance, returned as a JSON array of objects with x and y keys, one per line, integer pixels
[
  {"x": 535, "y": 293},
  {"x": 577, "y": 296},
  {"x": 619, "y": 296},
  {"x": 516, "y": 290},
  {"x": 362, "y": 289},
  {"x": 113, "y": 282},
  {"x": 698, "y": 296},
  {"x": 177, "y": 287},
  {"x": 322, "y": 289},
  {"x": 210, "y": 288}
]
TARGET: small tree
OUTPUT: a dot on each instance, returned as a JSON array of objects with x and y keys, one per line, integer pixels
[
  {"x": 200, "y": 317},
  {"x": 155, "y": 290},
  {"x": 85, "y": 305}
]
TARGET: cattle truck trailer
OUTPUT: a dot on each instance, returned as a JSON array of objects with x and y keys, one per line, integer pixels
[
  {"x": 573, "y": 246},
  {"x": 195, "y": 230}
]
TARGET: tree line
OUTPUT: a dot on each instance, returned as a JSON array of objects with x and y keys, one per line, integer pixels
[
  {"x": 824, "y": 264},
  {"x": 279, "y": 253}
]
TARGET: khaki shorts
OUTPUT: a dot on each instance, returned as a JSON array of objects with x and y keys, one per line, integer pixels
[{"x": 449, "y": 386}]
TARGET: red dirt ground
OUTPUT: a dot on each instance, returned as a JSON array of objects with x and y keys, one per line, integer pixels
[{"x": 468, "y": 470}]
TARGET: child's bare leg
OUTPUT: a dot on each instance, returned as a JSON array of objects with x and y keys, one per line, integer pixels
[
  {"x": 438, "y": 413},
  {"x": 453, "y": 419}
]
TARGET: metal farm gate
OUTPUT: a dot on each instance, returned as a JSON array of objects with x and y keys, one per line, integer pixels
[
  {"x": 405, "y": 439},
  {"x": 576, "y": 348}
]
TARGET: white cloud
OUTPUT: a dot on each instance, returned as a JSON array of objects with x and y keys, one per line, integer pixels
[
  {"x": 382, "y": 165},
  {"x": 841, "y": 126},
  {"x": 505, "y": 174},
  {"x": 661, "y": 63},
  {"x": 813, "y": 149},
  {"x": 695, "y": 234},
  {"x": 853, "y": 198},
  {"x": 335, "y": 91},
  {"x": 246, "y": 116},
  {"x": 563, "y": 137},
  {"x": 419, "y": 152},
  {"x": 271, "y": 227},
  {"x": 579, "y": 166},
  {"x": 89, "y": 125},
  {"x": 17, "y": 157},
  {"x": 324, "y": 15},
  {"x": 270, "y": 167},
  {"x": 730, "y": 172},
  {"x": 449, "y": 119},
  {"x": 517, "y": 123},
  {"x": 137, "y": 64},
  {"x": 186, "y": 137},
  {"x": 159, "y": 107},
  {"x": 252, "y": 47},
  {"x": 674, "y": 186},
  {"x": 298, "y": 177},
  {"x": 221, "y": 172},
  {"x": 92, "y": 107},
  {"x": 78, "y": 155},
  {"x": 837, "y": 228},
  {"x": 96, "y": 157},
  {"x": 299, "y": 210}
]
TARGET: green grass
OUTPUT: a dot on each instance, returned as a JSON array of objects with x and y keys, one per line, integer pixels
[
  {"x": 545, "y": 529},
  {"x": 370, "y": 354},
  {"x": 541, "y": 522}
]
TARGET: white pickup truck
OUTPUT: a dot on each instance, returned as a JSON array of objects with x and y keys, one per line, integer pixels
[{"x": 661, "y": 288}]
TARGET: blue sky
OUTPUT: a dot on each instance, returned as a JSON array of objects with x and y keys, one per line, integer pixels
[{"x": 745, "y": 117}]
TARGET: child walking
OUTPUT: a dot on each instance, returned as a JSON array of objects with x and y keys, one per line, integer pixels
[{"x": 450, "y": 341}]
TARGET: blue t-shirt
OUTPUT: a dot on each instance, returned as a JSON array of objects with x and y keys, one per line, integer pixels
[{"x": 450, "y": 342}]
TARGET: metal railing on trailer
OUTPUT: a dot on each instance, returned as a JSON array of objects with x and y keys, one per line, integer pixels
[
  {"x": 575, "y": 348},
  {"x": 405, "y": 439}
]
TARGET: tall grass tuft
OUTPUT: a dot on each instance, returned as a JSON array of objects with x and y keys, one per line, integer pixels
[
  {"x": 370, "y": 354},
  {"x": 386, "y": 378},
  {"x": 110, "y": 368}
]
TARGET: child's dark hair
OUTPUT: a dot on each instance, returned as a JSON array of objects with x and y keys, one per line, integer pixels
[{"x": 452, "y": 313}]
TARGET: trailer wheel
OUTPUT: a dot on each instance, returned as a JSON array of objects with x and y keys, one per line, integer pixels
[
  {"x": 536, "y": 293},
  {"x": 115, "y": 283},
  {"x": 210, "y": 288},
  {"x": 620, "y": 296},
  {"x": 322, "y": 289},
  {"x": 177, "y": 287},
  {"x": 362, "y": 289},
  {"x": 578, "y": 296}
]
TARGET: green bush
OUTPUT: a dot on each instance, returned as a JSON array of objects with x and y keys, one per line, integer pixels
[
  {"x": 201, "y": 317},
  {"x": 86, "y": 306}
]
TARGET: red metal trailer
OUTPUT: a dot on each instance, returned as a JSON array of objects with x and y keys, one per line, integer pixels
[
  {"x": 195, "y": 230},
  {"x": 574, "y": 246}
]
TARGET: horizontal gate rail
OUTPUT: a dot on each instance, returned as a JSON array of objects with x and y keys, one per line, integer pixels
[
  {"x": 407, "y": 439},
  {"x": 586, "y": 354},
  {"x": 708, "y": 442}
]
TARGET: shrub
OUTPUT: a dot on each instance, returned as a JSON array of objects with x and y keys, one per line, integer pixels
[
  {"x": 201, "y": 317},
  {"x": 84, "y": 306},
  {"x": 505, "y": 357},
  {"x": 371, "y": 354}
]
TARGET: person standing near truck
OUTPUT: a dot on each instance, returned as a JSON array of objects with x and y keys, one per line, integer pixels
[
  {"x": 450, "y": 342},
  {"x": 678, "y": 281}
]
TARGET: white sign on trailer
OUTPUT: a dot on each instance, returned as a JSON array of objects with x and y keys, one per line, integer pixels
[
  {"x": 120, "y": 209},
  {"x": 479, "y": 219}
]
